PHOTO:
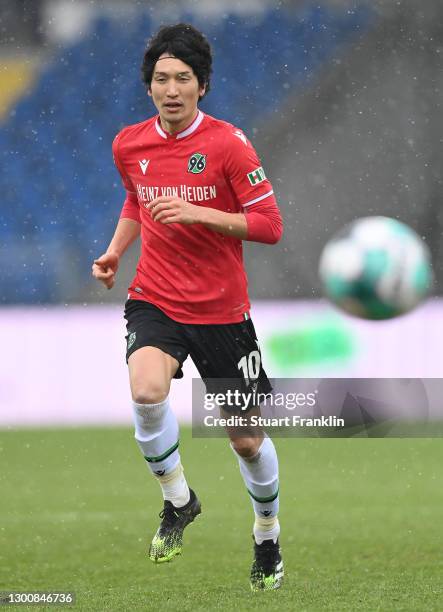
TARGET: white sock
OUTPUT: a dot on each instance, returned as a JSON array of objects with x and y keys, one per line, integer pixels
[
  {"x": 266, "y": 529},
  {"x": 260, "y": 474},
  {"x": 174, "y": 487},
  {"x": 156, "y": 432}
]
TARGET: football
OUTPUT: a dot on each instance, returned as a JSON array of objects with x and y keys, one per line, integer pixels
[{"x": 376, "y": 268}]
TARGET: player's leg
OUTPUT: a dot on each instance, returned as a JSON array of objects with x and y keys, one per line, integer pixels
[
  {"x": 258, "y": 464},
  {"x": 232, "y": 352},
  {"x": 156, "y": 427},
  {"x": 151, "y": 370}
]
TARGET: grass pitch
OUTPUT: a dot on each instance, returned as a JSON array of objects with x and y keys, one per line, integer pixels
[{"x": 361, "y": 524}]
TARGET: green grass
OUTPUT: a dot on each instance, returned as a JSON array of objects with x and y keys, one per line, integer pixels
[{"x": 361, "y": 524}]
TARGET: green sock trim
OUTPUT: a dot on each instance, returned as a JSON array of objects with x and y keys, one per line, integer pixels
[
  {"x": 164, "y": 455},
  {"x": 264, "y": 500}
]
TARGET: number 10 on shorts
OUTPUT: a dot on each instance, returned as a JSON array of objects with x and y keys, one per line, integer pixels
[{"x": 250, "y": 366}]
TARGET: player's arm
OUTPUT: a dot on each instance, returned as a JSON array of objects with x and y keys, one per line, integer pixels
[
  {"x": 260, "y": 223},
  {"x": 229, "y": 224},
  {"x": 170, "y": 209},
  {"x": 105, "y": 267},
  {"x": 254, "y": 192},
  {"x": 127, "y": 231}
]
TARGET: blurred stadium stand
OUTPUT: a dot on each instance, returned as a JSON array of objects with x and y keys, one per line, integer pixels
[
  {"x": 363, "y": 139},
  {"x": 331, "y": 94},
  {"x": 21, "y": 23}
]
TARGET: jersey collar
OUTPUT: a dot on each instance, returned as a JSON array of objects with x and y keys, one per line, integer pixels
[{"x": 189, "y": 130}]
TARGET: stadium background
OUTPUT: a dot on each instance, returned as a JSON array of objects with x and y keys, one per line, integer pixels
[{"x": 342, "y": 100}]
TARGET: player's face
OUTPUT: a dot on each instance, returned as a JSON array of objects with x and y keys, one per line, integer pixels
[{"x": 175, "y": 92}]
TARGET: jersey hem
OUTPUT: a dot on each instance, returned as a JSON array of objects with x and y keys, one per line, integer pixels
[{"x": 197, "y": 320}]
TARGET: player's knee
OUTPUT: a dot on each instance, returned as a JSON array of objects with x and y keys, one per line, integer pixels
[
  {"x": 149, "y": 394},
  {"x": 246, "y": 447}
]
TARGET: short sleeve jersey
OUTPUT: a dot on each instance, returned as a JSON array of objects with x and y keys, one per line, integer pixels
[{"x": 193, "y": 274}]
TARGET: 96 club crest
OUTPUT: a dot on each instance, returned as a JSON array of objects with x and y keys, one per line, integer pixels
[{"x": 197, "y": 163}]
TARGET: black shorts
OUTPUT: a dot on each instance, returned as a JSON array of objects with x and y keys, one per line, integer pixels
[{"x": 225, "y": 351}]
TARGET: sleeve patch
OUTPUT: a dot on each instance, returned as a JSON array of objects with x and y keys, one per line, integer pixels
[{"x": 256, "y": 176}]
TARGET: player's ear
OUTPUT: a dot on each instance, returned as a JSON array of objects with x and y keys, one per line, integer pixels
[
  {"x": 202, "y": 91},
  {"x": 149, "y": 92}
]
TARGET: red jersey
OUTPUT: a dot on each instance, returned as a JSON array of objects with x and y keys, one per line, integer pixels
[{"x": 193, "y": 274}]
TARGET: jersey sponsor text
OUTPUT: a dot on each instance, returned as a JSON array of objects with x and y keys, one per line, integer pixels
[{"x": 201, "y": 193}]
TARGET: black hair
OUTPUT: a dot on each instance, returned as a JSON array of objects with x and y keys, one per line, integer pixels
[{"x": 184, "y": 42}]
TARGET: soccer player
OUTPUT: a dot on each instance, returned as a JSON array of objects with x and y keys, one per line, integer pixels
[{"x": 195, "y": 189}]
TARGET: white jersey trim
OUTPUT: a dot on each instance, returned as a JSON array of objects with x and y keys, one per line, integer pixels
[
  {"x": 159, "y": 130},
  {"x": 258, "y": 199},
  {"x": 194, "y": 125}
]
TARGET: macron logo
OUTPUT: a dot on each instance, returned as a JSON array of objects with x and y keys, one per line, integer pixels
[
  {"x": 144, "y": 163},
  {"x": 240, "y": 135}
]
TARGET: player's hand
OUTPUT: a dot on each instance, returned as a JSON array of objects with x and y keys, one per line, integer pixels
[
  {"x": 104, "y": 269},
  {"x": 170, "y": 209}
]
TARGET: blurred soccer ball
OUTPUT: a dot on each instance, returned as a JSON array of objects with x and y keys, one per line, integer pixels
[{"x": 376, "y": 268}]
